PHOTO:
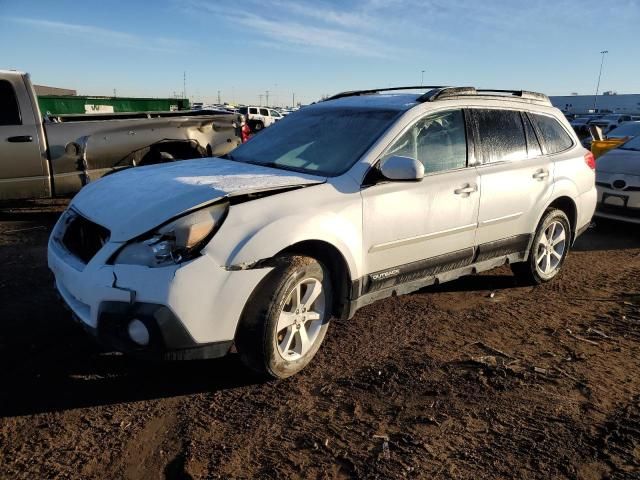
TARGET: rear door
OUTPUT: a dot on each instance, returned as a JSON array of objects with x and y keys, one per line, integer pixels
[
  {"x": 23, "y": 165},
  {"x": 414, "y": 230},
  {"x": 516, "y": 181}
]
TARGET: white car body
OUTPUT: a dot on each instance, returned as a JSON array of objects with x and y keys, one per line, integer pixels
[
  {"x": 618, "y": 183},
  {"x": 384, "y": 238}
]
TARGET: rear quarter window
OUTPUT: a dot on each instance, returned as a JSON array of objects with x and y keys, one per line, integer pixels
[{"x": 555, "y": 137}]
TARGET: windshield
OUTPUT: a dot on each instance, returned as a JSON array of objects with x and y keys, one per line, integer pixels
[
  {"x": 633, "y": 144},
  {"x": 626, "y": 130},
  {"x": 320, "y": 141}
]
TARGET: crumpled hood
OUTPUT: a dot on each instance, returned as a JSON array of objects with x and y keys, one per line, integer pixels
[
  {"x": 619, "y": 161},
  {"x": 134, "y": 201}
]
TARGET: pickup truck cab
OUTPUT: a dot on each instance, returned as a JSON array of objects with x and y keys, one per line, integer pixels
[{"x": 55, "y": 156}]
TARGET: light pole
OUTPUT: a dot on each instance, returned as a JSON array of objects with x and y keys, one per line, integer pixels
[
  {"x": 595, "y": 98},
  {"x": 422, "y": 79}
]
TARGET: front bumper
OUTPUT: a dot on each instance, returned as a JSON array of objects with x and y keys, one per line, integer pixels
[{"x": 191, "y": 310}]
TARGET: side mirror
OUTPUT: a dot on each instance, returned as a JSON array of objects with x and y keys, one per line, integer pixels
[{"x": 402, "y": 168}]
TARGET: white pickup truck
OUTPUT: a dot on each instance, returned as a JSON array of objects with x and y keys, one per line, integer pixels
[{"x": 57, "y": 155}]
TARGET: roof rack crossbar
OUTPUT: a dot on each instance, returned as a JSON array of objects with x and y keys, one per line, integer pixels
[{"x": 355, "y": 93}]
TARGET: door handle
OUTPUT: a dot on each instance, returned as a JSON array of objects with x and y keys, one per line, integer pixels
[
  {"x": 20, "y": 139},
  {"x": 466, "y": 190},
  {"x": 540, "y": 174}
]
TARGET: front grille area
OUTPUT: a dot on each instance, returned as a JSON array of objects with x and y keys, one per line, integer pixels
[
  {"x": 83, "y": 238},
  {"x": 618, "y": 210}
]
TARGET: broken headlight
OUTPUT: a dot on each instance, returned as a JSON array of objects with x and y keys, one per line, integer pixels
[{"x": 175, "y": 242}]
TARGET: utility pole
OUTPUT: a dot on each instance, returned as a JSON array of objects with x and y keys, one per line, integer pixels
[
  {"x": 293, "y": 100},
  {"x": 219, "y": 103},
  {"x": 260, "y": 96},
  {"x": 115, "y": 93},
  {"x": 184, "y": 84},
  {"x": 266, "y": 103},
  {"x": 422, "y": 79},
  {"x": 595, "y": 97}
]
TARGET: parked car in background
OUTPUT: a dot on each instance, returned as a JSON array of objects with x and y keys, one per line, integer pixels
[
  {"x": 260, "y": 117},
  {"x": 609, "y": 122},
  {"x": 581, "y": 125},
  {"x": 58, "y": 155},
  {"x": 625, "y": 131},
  {"x": 618, "y": 183}
]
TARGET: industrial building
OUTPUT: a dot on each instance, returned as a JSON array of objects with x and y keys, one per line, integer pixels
[{"x": 608, "y": 102}]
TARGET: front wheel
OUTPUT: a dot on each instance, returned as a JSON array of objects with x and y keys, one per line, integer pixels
[
  {"x": 548, "y": 251},
  {"x": 287, "y": 318}
]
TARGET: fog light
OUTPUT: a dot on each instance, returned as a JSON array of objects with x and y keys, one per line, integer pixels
[{"x": 138, "y": 332}]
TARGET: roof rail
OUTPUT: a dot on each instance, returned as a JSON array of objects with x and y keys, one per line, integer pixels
[
  {"x": 355, "y": 93},
  {"x": 445, "y": 92}
]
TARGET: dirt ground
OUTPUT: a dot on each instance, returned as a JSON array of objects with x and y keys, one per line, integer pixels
[{"x": 449, "y": 382}]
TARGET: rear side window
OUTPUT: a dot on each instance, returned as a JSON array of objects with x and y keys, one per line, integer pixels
[
  {"x": 264, "y": 111},
  {"x": 253, "y": 111},
  {"x": 555, "y": 137},
  {"x": 502, "y": 136},
  {"x": 243, "y": 110},
  {"x": 9, "y": 111}
]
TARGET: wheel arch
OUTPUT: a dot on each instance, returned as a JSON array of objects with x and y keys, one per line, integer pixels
[
  {"x": 333, "y": 259},
  {"x": 570, "y": 209}
]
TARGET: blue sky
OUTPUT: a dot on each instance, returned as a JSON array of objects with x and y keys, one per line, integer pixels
[{"x": 244, "y": 47}]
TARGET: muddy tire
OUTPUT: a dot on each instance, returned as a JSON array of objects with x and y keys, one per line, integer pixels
[
  {"x": 286, "y": 319},
  {"x": 258, "y": 126},
  {"x": 549, "y": 249}
]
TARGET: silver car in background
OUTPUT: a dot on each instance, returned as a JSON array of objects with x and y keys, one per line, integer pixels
[{"x": 618, "y": 183}]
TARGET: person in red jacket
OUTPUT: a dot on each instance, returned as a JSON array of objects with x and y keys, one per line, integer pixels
[{"x": 246, "y": 131}]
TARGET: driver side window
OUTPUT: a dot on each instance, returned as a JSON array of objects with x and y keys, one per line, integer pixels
[{"x": 438, "y": 141}]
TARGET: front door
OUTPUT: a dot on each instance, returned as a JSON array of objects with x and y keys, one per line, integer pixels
[
  {"x": 23, "y": 168},
  {"x": 413, "y": 230}
]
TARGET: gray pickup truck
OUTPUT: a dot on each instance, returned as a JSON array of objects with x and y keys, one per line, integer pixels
[{"x": 56, "y": 155}]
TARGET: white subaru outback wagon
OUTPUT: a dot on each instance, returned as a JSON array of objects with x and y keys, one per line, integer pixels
[{"x": 366, "y": 195}]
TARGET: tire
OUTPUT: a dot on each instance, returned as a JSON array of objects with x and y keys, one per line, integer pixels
[
  {"x": 546, "y": 257},
  {"x": 276, "y": 339},
  {"x": 258, "y": 126}
]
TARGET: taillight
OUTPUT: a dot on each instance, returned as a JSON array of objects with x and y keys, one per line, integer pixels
[{"x": 590, "y": 160}]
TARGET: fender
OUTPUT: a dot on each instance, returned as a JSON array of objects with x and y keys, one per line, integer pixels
[
  {"x": 300, "y": 228},
  {"x": 282, "y": 220}
]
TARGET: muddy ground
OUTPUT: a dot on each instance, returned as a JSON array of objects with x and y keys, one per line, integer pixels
[{"x": 450, "y": 382}]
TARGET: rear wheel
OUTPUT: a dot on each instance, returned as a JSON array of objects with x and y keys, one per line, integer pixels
[
  {"x": 548, "y": 251},
  {"x": 287, "y": 318},
  {"x": 258, "y": 126}
]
